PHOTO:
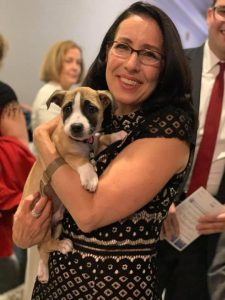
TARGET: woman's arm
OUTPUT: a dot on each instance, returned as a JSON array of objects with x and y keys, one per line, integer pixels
[{"x": 134, "y": 177}]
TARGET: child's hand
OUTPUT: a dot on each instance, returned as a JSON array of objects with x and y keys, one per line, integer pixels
[{"x": 13, "y": 123}]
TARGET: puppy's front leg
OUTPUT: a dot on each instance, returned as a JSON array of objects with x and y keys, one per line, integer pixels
[
  {"x": 88, "y": 176},
  {"x": 103, "y": 141},
  {"x": 117, "y": 136}
]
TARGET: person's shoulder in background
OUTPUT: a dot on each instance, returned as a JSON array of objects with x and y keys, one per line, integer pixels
[
  {"x": 40, "y": 113},
  {"x": 45, "y": 92}
]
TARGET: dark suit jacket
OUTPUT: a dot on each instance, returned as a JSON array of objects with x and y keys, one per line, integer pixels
[
  {"x": 195, "y": 59},
  {"x": 216, "y": 274}
]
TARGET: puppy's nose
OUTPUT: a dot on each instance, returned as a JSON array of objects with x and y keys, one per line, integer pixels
[{"x": 76, "y": 128}]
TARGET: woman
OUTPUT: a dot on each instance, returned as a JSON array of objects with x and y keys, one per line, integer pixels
[
  {"x": 115, "y": 230},
  {"x": 61, "y": 68}
]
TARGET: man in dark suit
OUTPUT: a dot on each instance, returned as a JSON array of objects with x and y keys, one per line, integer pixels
[
  {"x": 183, "y": 274},
  {"x": 216, "y": 275}
]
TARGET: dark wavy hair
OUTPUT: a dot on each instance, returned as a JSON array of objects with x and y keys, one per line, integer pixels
[{"x": 174, "y": 83}]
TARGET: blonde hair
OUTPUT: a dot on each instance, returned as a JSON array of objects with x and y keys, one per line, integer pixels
[
  {"x": 3, "y": 47},
  {"x": 53, "y": 61}
]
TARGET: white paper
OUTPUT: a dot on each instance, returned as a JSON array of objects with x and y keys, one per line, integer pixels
[{"x": 189, "y": 211}]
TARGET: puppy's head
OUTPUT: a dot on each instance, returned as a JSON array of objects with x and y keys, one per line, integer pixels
[{"x": 82, "y": 110}]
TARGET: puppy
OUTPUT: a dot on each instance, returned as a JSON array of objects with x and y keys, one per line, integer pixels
[{"x": 82, "y": 113}]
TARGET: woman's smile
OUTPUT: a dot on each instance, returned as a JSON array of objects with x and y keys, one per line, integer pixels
[{"x": 129, "y": 82}]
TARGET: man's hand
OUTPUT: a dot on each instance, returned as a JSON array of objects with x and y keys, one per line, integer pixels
[{"x": 209, "y": 224}]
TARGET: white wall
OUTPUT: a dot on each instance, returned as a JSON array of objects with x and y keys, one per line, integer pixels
[
  {"x": 31, "y": 26},
  {"x": 190, "y": 18}
]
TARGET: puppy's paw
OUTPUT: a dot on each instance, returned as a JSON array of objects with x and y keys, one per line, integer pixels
[
  {"x": 118, "y": 136},
  {"x": 88, "y": 177},
  {"x": 65, "y": 246},
  {"x": 90, "y": 184},
  {"x": 43, "y": 273}
]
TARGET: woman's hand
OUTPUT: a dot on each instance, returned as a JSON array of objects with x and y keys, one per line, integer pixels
[
  {"x": 42, "y": 140},
  {"x": 31, "y": 221},
  {"x": 170, "y": 226}
]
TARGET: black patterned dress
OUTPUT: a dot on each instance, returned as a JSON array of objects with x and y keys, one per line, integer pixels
[{"x": 118, "y": 261}]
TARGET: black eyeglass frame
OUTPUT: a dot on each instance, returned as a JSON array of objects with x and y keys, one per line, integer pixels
[{"x": 138, "y": 51}]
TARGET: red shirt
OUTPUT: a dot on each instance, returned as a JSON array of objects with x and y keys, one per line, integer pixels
[{"x": 15, "y": 163}]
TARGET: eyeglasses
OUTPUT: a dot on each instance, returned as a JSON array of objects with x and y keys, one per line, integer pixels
[
  {"x": 219, "y": 12},
  {"x": 146, "y": 56}
]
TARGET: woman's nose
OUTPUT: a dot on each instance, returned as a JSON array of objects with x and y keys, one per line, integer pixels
[
  {"x": 132, "y": 62},
  {"x": 75, "y": 65}
]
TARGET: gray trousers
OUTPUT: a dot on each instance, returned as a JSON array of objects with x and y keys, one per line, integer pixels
[{"x": 12, "y": 270}]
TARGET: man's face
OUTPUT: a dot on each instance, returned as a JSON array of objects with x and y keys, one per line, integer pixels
[{"x": 216, "y": 28}]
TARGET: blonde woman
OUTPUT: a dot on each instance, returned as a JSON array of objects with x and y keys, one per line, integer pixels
[{"x": 62, "y": 67}]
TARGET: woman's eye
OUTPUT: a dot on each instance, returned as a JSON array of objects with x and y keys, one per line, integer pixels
[
  {"x": 150, "y": 55},
  {"x": 68, "y": 60},
  {"x": 122, "y": 46}
]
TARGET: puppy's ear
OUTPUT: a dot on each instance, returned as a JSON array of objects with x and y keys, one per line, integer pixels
[
  {"x": 106, "y": 98},
  {"x": 57, "y": 97}
]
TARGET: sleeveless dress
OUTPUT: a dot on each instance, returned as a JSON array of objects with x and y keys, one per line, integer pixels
[{"x": 118, "y": 261}]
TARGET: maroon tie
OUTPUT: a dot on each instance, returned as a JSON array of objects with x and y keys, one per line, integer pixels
[{"x": 206, "y": 149}]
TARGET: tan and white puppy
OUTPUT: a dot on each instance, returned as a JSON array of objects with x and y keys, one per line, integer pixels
[{"x": 82, "y": 112}]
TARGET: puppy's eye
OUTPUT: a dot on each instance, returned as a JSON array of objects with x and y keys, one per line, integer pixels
[
  {"x": 67, "y": 109},
  {"x": 92, "y": 109}
]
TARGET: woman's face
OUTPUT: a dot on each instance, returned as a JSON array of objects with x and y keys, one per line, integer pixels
[
  {"x": 129, "y": 80},
  {"x": 71, "y": 68}
]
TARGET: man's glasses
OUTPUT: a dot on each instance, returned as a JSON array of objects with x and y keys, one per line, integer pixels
[
  {"x": 219, "y": 12},
  {"x": 146, "y": 56}
]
